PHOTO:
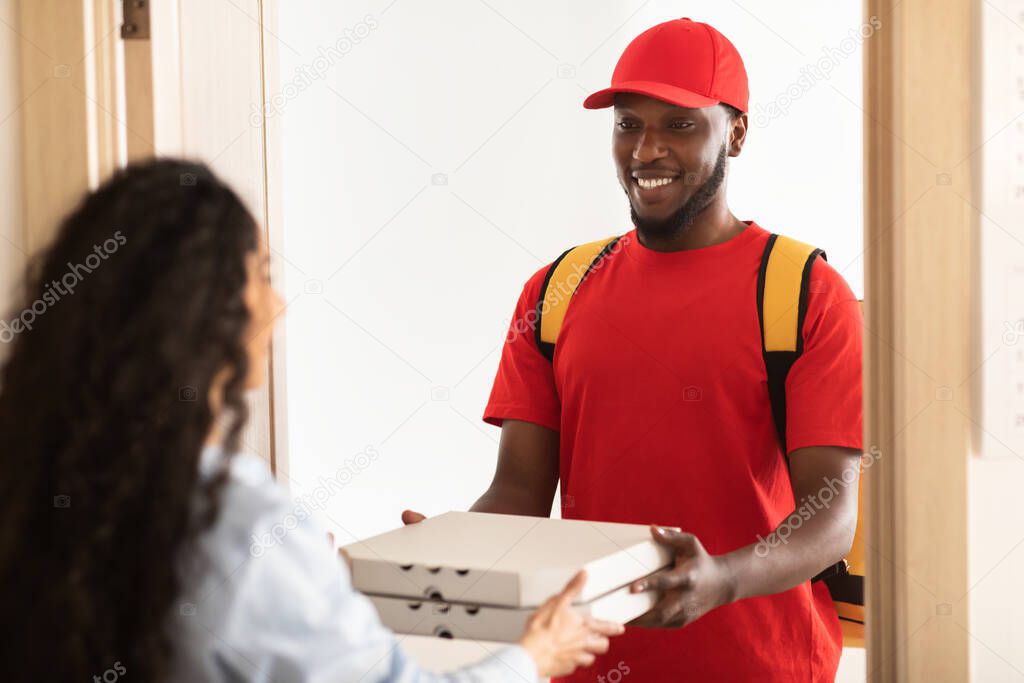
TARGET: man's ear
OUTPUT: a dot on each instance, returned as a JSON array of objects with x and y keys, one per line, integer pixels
[{"x": 737, "y": 134}]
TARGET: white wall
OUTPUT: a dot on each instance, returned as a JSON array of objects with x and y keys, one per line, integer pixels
[
  {"x": 996, "y": 472},
  {"x": 400, "y": 281},
  {"x": 12, "y": 234}
]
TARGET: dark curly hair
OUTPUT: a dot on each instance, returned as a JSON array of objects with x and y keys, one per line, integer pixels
[{"x": 129, "y": 317}]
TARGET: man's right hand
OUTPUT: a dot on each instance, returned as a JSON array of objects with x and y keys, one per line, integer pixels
[{"x": 412, "y": 517}]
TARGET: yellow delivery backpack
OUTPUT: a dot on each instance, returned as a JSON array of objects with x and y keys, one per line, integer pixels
[{"x": 782, "y": 288}]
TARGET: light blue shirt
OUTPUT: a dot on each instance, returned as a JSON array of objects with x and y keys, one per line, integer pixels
[{"x": 286, "y": 611}]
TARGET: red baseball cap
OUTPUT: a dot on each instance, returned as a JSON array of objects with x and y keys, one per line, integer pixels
[{"x": 683, "y": 62}]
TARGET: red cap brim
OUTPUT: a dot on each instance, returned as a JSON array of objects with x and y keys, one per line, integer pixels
[{"x": 668, "y": 93}]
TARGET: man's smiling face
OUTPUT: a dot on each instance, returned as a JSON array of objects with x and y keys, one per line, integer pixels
[{"x": 670, "y": 159}]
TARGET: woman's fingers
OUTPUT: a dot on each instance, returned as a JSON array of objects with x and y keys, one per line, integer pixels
[
  {"x": 545, "y": 611},
  {"x": 584, "y": 659},
  {"x": 572, "y": 589},
  {"x": 577, "y": 639},
  {"x": 597, "y": 645},
  {"x": 605, "y": 628}
]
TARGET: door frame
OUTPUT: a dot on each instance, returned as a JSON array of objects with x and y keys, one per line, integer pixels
[
  {"x": 93, "y": 102},
  {"x": 919, "y": 297},
  {"x": 918, "y": 255}
]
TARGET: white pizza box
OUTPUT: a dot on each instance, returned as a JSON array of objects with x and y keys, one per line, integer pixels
[
  {"x": 502, "y": 560},
  {"x": 464, "y": 621}
]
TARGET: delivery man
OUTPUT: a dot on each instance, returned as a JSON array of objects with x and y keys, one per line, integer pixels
[{"x": 653, "y": 407}]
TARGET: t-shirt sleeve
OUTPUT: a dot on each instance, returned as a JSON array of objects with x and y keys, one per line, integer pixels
[
  {"x": 824, "y": 387},
  {"x": 524, "y": 387},
  {"x": 272, "y": 601}
]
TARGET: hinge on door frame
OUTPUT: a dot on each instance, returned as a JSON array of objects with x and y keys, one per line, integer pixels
[{"x": 136, "y": 19}]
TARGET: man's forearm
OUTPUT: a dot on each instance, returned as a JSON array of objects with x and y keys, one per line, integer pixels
[
  {"x": 789, "y": 556},
  {"x": 816, "y": 535},
  {"x": 526, "y": 475},
  {"x": 510, "y": 500}
]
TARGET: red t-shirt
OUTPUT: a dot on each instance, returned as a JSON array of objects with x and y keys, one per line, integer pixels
[{"x": 658, "y": 390}]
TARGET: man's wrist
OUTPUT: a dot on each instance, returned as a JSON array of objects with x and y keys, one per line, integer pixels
[{"x": 733, "y": 564}]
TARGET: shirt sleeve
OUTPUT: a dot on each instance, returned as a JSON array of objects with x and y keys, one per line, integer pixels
[
  {"x": 824, "y": 387},
  {"x": 296, "y": 617},
  {"x": 524, "y": 387}
]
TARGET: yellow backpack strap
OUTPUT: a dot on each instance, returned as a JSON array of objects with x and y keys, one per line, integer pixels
[
  {"x": 560, "y": 283},
  {"x": 783, "y": 283}
]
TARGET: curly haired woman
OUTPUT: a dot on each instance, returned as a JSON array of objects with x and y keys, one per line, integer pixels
[{"x": 127, "y": 509}]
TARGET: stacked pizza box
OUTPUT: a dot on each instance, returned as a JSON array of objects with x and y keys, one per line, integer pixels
[{"x": 480, "y": 576}]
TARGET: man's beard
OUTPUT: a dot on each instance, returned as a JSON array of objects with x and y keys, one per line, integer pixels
[{"x": 677, "y": 223}]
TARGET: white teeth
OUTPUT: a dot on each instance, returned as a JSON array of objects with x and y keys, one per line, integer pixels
[{"x": 651, "y": 183}]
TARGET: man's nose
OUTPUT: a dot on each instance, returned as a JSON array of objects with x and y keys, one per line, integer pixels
[{"x": 649, "y": 147}]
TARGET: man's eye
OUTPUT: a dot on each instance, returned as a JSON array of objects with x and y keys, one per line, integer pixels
[
  {"x": 680, "y": 124},
  {"x": 626, "y": 125}
]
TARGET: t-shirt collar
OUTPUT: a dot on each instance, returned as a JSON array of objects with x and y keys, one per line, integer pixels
[{"x": 644, "y": 255}]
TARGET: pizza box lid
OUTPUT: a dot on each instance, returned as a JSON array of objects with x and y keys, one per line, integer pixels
[
  {"x": 464, "y": 621},
  {"x": 502, "y": 560}
]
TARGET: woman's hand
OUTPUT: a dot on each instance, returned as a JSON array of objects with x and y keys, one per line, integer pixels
[{"x": 559, "y": 639}]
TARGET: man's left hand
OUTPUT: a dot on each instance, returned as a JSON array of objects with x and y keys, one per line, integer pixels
[{"x": 697, "y": 583}]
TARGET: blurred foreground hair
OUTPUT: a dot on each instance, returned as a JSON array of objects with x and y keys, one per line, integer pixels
[{"x": 128, "y": 318}]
